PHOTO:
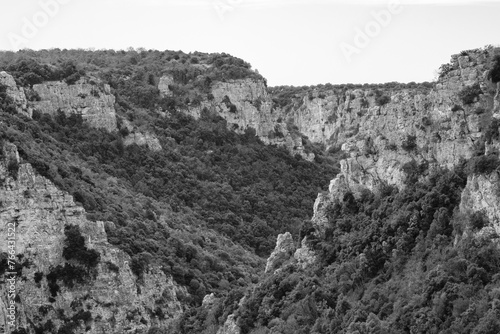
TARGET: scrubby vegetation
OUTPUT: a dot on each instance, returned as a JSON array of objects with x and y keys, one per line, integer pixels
[
  {"x": 470, "y": 94},
  {"x": 381, "y": 99},
  {"x": 387, "y": 264},
  {"x": 6, "y": 103},
  {"x": 494, "y": 73},
  {"x": 75, "y": 249},
  {"x": 288, "y": 97}
]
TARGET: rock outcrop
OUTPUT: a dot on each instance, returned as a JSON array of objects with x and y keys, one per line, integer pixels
[
  {"x": 230, "y": 326},
  {"x": 88, "y": 97},
  {"x": 143, "y": 139},
  {"x": 245, "y": 104},
  {"x": 282, "y": 252},
  {"x": 482, "y": 194},
  {"x": 163, "y": 85},
  {"x": 111, "y": 300},
  {"x": 17, "y": 94}
]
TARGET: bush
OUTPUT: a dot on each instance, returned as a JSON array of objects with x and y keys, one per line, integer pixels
[
  {"x": 6, "y": 103},
  {"x": 381, "y": 99},
  {"x": 409, "y": 144},
  {"x": 426, "y": 121},
  {"x": 68, "y": 274},
  {"x": 38, "y": 277},
  {"x": 492, "y": 132},
  {"x": 478, "y": 220},
  {"x": 413, "y": 171},
  {"x": 494, "y": 74},
  {"x": 392, "y": 147},
  {"x": 74, "y": 248},
  {"x": 445, "y": 69},
  {"x": 469, "y": 94},
  {"x": 483, "y": 164},
  {"x": 13, "y": 168}
]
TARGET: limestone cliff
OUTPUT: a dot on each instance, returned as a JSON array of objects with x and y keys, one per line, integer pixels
[
  {"x": 111, "y": 300},
  {"x": 434, "y": 127},
  {"x": 143, "y": 139},
  {"x": 425, "y": 127},
  {"x": 368, "y": 126},
  {"x": 281, "y": 253},
  {"x": 230, "y": 326},
  {"x": 163, "y": 85},
  {"x": 17, "y": 94},
  {"x": 482, "y": 194},
  {"x": 88, "y": 97},
  {"x": 245, "y": 104}
]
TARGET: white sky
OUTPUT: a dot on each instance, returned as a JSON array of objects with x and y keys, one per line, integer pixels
[{"x": 290, "y": 42}]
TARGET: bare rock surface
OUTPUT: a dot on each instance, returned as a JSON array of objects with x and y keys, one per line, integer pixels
[
  {"x": 88, "y": 97},
  {"x": 117, "y": 300}
]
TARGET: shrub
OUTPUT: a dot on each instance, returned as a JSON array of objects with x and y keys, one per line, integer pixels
[
  {"x": 426, "y": 121},
  {"x": 332, "y": 118},
  {"x": 113, "y": 267},
  {"x": 38, "y": 276},
  {"x": 74, "y": 248},
  {"x": 445, "y": 69},
  {"x": 364, "y": 103},
  {"x": 229, "y": 104},
  {"x": 413, "y": 171},
  {"x": 380, "y": 98},
  {"x": 139, "y": 265},
  {"x": 392, "y": 147},
  {"x": 6, "y": 103},
  {"x": 492, "y": 132},
  {"x": 410, "y": 143},
  {"x": 32, "y": 95},
  {"x": 456, "y": 107},
  {"x": 494, "y": 74},
  {"x": 68, "y": 274},
  {"x": 3, "y": 262},
  {"x": 483, "y": 164},
  {"x": 469, "y": 94},
  {"x": 13, "y": 168},
  {"x": 478, "y": 220},
  {"x": 479, "y": 111}
]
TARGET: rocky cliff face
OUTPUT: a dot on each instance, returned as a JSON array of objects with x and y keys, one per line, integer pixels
[
  {"x": 426, "y": 128},
  {"x": 246, "y": 104},
  {"x": 445, "y": 129},
  {"x": 111, "y": 300},
  {"x": 87, "y": 97},
  {"x": 282, "y": 251},
  {"x": 482, "y": 195},
  {"x": 17, "y": 94},
  {"x": 143, "y": 139}
]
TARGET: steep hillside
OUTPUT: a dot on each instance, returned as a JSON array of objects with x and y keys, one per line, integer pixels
[
  {"x": 68, "y": 276},
  {"x": 178, "y": 206},
  {"x": 405, "y": 240},
  {"x": 176, "y": 173}
]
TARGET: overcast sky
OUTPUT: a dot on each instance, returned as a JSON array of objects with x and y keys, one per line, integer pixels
[{"x": 290, "y": 42}]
